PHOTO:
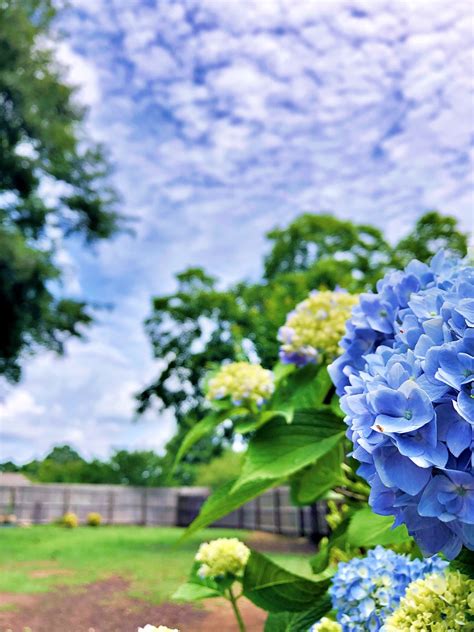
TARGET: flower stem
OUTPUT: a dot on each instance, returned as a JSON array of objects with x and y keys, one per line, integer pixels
[{"x": 236, "y": 610}]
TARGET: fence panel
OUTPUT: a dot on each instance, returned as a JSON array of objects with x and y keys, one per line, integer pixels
[{"x": 160, "y": 506}]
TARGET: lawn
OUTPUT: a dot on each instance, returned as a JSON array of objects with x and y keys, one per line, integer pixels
[{"x": 36, "y": 559}]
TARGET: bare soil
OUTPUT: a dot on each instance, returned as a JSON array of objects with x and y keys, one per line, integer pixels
[{"x": 105, "y": 607}]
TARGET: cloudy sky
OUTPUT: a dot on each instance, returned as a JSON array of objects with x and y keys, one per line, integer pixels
[{"x": 225, "y": 118}]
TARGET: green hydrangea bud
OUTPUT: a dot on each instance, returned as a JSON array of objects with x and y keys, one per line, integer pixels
[
  {"x": 243, "y": 382},
  {"x": 224, "y": 556},
  {"x": 312, "y": 331},
  {"x": 438, "y": 602}
]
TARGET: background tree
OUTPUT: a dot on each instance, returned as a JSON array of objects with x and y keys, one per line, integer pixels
[
  {"x": 53, "y": 184},
  {"x": 63, "y": 464},
  {"x": 200, "y": 325}
]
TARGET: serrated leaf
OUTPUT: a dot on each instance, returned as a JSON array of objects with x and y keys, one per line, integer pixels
[
  {"x": 298, "y": 621},
  {"x": 367, "y": 529},
  {"x": 225, "y": 500},
  {"x": 280, "y": 449},
  {"x": 275, "y": 589},
  {"x": 312, "y": 483}
]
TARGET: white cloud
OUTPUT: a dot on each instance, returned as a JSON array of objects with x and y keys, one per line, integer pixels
[{"x": 79, "y": 72}]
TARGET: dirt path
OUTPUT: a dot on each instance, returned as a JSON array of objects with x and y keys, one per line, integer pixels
[{"x": 105, "y": 607}]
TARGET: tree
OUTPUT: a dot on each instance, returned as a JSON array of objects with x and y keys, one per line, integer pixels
[
  {"x": 54, "y": 183},
  {"x": 432, "y": 232},
  {"x": 141, "y": 468},
  {"x": 65, "y": 465},
  {"x": 199, "y": 326}
]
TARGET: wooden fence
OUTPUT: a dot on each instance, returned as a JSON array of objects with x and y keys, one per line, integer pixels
[{"x": 163, "y": 506}]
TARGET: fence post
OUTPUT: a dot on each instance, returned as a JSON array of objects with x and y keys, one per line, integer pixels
[
  {"x": 241, "y": 517},
  {"x": 12, "y": 508},
  {"x": 144, "y": 506},
  {"x": 301, "y": 525},
  {"x": 66, "y": 500},
  {"x": 37, "y": 513},
  {"x": 277, "y": 510},
  {"x": 110, "y": 508},
  {"x": 258, "y": 513},
  {"x": 318, "y": 519}
]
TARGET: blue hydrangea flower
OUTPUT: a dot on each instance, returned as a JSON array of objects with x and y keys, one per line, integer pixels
[
  {"x": 406, "y": 378},
  {"x": 365, "y": 591}
]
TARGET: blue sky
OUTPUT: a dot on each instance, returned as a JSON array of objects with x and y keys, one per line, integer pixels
[{"x": 225, "y": 118}]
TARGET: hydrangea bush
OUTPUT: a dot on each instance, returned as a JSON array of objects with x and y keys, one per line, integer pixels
[
  {"x": 405, "y": 376},
  {"x": 407, "y": 383},
  {"x": 243, "y": 382},
  {"x": 313, "y": 329},
  {"x": 365, "y": 590},
  {"x": 440, "y": 603}
]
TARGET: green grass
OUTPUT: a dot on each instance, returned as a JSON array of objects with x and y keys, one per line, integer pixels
[{"x": 151, "y": 558}]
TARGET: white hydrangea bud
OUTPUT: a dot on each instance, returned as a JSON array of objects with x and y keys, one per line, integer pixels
[{"x": 224, "y": 556}]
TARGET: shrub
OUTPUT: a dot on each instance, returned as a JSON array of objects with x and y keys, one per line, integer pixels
[
  {"x": 70, "y": 520},
  {"x": 94, "y": 519}
]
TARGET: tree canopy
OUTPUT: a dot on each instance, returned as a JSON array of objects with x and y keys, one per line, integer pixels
[{"x": 54, "y": 183}]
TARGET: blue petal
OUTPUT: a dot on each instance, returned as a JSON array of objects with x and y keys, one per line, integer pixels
[{"x": 396, "y": 470}]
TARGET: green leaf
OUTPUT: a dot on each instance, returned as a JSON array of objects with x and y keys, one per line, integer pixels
[
  {"x": 281, "y": 371},
  {"x": 367, "y": 529},
  {"x": 312, "y": 483},
  {"x": 252, "y": 424},
  {"x": 276, "y": 589},
  {"x": 194, "y": 592},
  {"x": 279, "y": 449},
  {"x": 197, "y": 588},
  {"x": 225, "y": 500},
  {"x": 197, "y": 432},
  {"x": 464, "y": 563},
  {"x": 205, "y": 427},
  {"x": 304, "y": 388},
  {"x": 298, "y": 621}
]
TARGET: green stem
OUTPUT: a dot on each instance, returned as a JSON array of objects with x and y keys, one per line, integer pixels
[{"x": 236, "y": 610}]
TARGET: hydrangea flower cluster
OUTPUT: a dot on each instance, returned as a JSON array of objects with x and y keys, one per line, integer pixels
[
  {"x": 243, "y": 382},
  {"x": 312, "y": 331},
  {"x": 326, "y": 625},
  {"x": 366, "y": 590},
  {"x": 440, "y": 603},
  {"x": 160, "y": 628},
  {"x": 224, "y": 556},
  {"x": 407, "y": 383}
]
